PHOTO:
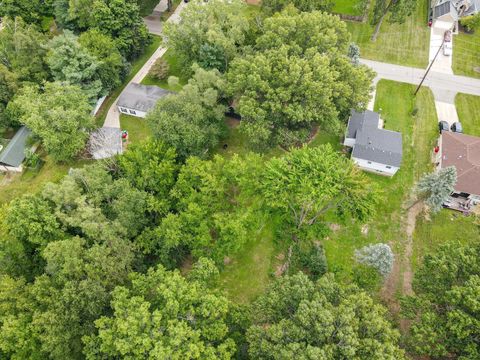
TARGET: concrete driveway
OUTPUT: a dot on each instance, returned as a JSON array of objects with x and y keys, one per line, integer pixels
[
  {"x": 152, "y": 21},
  {"x": 113, "y": 115},
  {"x": 443, "y": 64}
]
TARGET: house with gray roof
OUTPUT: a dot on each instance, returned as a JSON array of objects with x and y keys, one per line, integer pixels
[
  {"x": 374, "y": 149},
  {"x": 13, "y": 154},
  {"x": 138, "y": 99}
]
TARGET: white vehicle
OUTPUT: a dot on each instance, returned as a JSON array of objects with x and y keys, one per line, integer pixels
[{"x": 447, "y": 48}]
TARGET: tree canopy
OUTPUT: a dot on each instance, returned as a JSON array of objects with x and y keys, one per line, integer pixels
[
  {"x": 445, "y": 307},
  {"x": 209, "y": 33},
  {"x": 308, "y": 182},
  {"x": 302, "y": 5},
  {"x": 300, "y": 319},
  {"x": 296, "y": 82},
  {"x": 168, "y": 317},
  {"x": 192, "y": 120},
  {"x": 59, "y": 115}
]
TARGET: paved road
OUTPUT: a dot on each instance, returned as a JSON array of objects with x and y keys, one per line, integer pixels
[
  {"x": 442, "y": 85},
  {"x": 153, "y": 21},
  {"x": 113, "y": 115}
]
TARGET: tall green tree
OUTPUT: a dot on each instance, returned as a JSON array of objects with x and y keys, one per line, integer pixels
[
  {"x": 446, "y": 306},
  {"x": 303, "y": 5},
  {"x": 210, "y": 34},
  {"x": 300, "y": 319},
  {"x": 51, "y": 315},
  {"x": 69, "y": 62},
  {"x": 120, "y": 20},
  {"x": 23, "y": 50},
  {"x": 193, "y": 120},
  {"x": 307, "y": 183},
  {"x": 297, "y": 81},
  {"x": 167, "y": 317},
  {"x": 60, "y": 116},
  {"x": 30, "y": 10},
  {"x": 9, "y": 85},
  {"x": 111, "y": 66},
  {"x": 399, "y": 10}
]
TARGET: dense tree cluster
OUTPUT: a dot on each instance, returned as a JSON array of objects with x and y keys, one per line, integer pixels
[
  {"x": 191, "y": 121},
  {"x": 209, "y": 33},
  {"x": 99, "y": 37},
  {"x": 299, "y": 77},
  {"x": 300, "y": 319},
  {"x": 446, "y": 306}
]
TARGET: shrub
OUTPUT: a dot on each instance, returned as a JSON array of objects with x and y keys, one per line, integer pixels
[
  {"x": 379, "y": 256},
  {"x": 471, "y": 23},
  {"x": 160, "y": 69}
]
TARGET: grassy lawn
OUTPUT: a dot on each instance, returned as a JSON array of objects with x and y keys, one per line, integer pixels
[
  {"x": 419, "y": 133},
  {"x": 137, "y": 128},
  {"x": 405, "y": 44},
  {"x": 468, "y": 109},
  {"x": 30, "y": 181},
  {"x": 250, "y": 271},
  {"x": 175, "y": 69},
  {"x": 136, "y": 66},
  {"x": 445, "y": 226},
  {"x": 466, "y": 54},
  {"x": 348, "y": 7}
]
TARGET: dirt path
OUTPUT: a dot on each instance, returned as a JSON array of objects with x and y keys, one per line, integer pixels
[{"x": 400, "y": 279}]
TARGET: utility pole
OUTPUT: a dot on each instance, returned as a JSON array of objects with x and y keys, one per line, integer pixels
[{"x": 429, "y": 67}]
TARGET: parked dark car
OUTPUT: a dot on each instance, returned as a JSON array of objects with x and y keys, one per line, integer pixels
[
  {"x": 443, "y": 126},
  {"x": 457, "y": 127}
]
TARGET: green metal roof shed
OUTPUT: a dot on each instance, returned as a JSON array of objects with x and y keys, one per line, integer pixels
[{"x": 14, "y": 153}]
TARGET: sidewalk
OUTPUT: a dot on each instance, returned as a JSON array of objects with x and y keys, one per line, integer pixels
[{"x": 113, "y": 115}]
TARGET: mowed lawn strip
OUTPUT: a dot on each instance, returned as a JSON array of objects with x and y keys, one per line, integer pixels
[
  {"x": 137, "y": 128},
  {"x": 466, "y": 54},
  {"x": 347, "y": 7},
  {"x": 404, "y": 44},
  {"x": 396, "y": 105},
  {"x": 468, "y": 109}
]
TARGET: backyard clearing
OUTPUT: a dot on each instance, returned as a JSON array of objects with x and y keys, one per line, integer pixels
[{"x": 415, "y": 118}]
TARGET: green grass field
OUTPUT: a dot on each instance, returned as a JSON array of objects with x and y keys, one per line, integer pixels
[
  {"x": 137, "y": 128},
  {"x": 419, "y": 132},
  {"x": 405, "y": 44},
  {"x": 466, "y": 54},
  {"x": 31, "y": 181},
  {"x": 175, "y": 69},
  {"x": 348, "y": 7},
  {"x": 468, "y": 109}
]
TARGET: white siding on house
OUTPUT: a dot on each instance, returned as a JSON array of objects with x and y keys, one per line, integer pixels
[
  {"x": 375, "y": 167},
  {"x": 132, "y": 112},
  {"x": 5, "y": 168},
  {"x": 349, "y": 142}
]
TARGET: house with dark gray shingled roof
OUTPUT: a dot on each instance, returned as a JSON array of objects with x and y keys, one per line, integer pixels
[
  {"x": 138, "y": 99},
  {"x": 374, "y": 149}
]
